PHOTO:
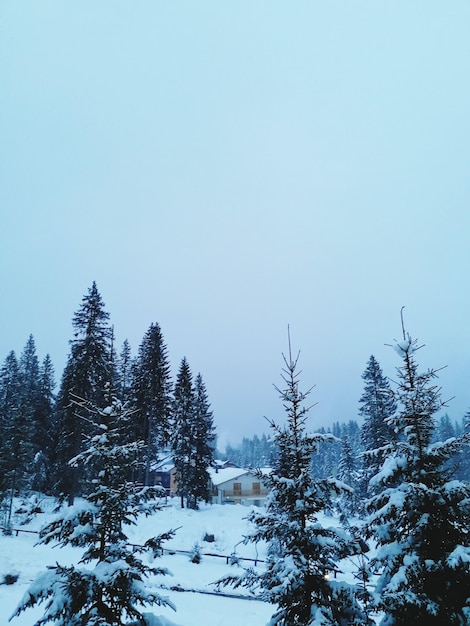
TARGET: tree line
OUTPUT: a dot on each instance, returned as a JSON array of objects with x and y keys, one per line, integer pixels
[
  {"x": 345, "y": 454},
  {"x": 412, "y": 507},
  {"x": 40, "y": 431},
  {"x": 414, "y": 511}
]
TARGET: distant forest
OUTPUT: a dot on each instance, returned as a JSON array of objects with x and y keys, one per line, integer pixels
[{"x": 348, "y": 448}]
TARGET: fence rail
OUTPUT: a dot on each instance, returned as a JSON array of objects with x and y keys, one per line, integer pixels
[{"x": 228, "y": 558}]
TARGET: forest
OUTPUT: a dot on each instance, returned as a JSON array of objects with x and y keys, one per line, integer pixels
[
  {"x": 398, "y": 481},
  {"x": 40, "y": 431}
]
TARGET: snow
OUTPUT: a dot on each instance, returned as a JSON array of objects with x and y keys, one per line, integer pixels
[
  {"x": 19, "y": 555},
  {"x": 408, "y": 346},
  {"x": 225, "y": 474},
  {"x": 201, "y": 605}
]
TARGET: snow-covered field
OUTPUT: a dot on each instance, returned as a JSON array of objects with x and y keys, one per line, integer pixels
[{"x": 20, "y": 556}]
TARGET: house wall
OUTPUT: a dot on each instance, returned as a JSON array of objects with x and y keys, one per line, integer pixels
[{"x": 246, "y": 489}]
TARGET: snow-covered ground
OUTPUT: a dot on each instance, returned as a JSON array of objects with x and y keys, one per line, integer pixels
[{"x": 20, "y": 556}]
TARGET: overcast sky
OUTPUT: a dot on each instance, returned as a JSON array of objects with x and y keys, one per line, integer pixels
[{"x": 226, "y": 168}]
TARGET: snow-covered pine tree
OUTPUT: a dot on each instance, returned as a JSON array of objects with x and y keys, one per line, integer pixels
[
  {"x": 420, "y": 516},
  {"x": 30, "y": 393},
  {"x": 19, "y": 389},
  {"x": 445, "y": 428},
  {"x": 86, "y": 374},
  {"x": 109, "y": 584},
  {"x": 124, "y": 372},
  {"x": 183, "y": 434},
  {"x": 377, "y": 406},
  {"x": 348, "y": 473},
  {"x": 463, "y": 470},
  {"x": 43, "y": 428},
  {"x": 302, "y": 552},
  {"x": 150, "y": 395},
  {"x": 204, "y": 436},
  {"x": 15, "y": 434}
]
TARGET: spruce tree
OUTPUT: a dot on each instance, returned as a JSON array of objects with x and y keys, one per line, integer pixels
[
  {"x": 30, "y": 380},
  {"x": 151, "y": 398},
  {"x": 445, "y": 428},
  {"x": 204, "y": 436},
  {"x": 43, "y": 435},
  {"x": 302, "y": 552},
  {"x": 16, "y": 430},
  {"x": 109, "y": 584},
  {"x": 183, "y": 434},
  {"x": 419, "y": 517},
  {"x": 348, "y": 473},
  {"x": 124, "y": 372},
  {"x": 86, "y": 373},
  {"x": 378, "y": 405}
]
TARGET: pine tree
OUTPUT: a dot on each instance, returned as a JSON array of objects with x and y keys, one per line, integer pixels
[
  {"x": 30, "y": 379},
  {"x": 183, "y": 434},
  {"x": 91, "y": 348},
  {"x": 463, "y": 467},
  {"x": 348, "y": 472},
  {"x": 124, "y": 372},
  {"x": 109, "y": 585},
  {"x": 16, "y": 429},
  {"x": 301, "y": 551},
  {"x": 203, "y": 446},
  {"x": 43, "y": 436},
  {"x": 86, "y": 374},
  {"x": 419, "y": 518},
  {"x": 445, "y": 428},
  {"x": 378, "y": 405},
  {"x": 151, "y": 398},
  {"x": 36, "y": 408}
]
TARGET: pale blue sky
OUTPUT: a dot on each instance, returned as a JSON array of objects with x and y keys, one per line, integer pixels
[{"x": 226, "y": 168}]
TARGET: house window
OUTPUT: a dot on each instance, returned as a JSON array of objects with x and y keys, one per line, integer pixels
[
  {"x": 237, "y": 489},
  {"x": 256, "y": 489}
]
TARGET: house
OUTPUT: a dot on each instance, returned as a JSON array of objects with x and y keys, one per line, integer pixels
[
  {"x": 163, "y": 472},
  {"x": 234, "y": 485}
]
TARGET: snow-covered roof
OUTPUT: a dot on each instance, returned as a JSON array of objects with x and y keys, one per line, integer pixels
[
  {"x": 163, "y": 462},
  {"x": 225, "y": 474},
  {"x": 165, "y": 468}
]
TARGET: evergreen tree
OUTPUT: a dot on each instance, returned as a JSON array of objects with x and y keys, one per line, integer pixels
[
  {"x": 419, "y": 518},
  {"x": 151, "y": 398},
  {"x": 124, "y": 372},
  {"x": 301, "y": 551},
  {"x": 352, "y": 431},
  {"x": 91, "y": 348},
  {"x": 16, "y": 429},
  {"x": 445, "y": 428},
  {"x": 183, "y": 434},
  {"x": 30, "y": 380},
  {"x": 43, "y": 436},
  {"x": 109, "y": 585},
  {"x": 463, "y": 469},
  {"x": 86, "y": 373},
  {"x": 378, "y": 405},
  {"x": 325, "y": 462},
  {"x": 348, "y": 472},
  {"x": 203, "y": 443}
]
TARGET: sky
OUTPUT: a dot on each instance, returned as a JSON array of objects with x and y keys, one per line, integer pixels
[{"x": 231, "y": 168}]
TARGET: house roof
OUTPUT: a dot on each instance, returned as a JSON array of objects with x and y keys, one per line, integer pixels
[{"x": 225, "y": 474}]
